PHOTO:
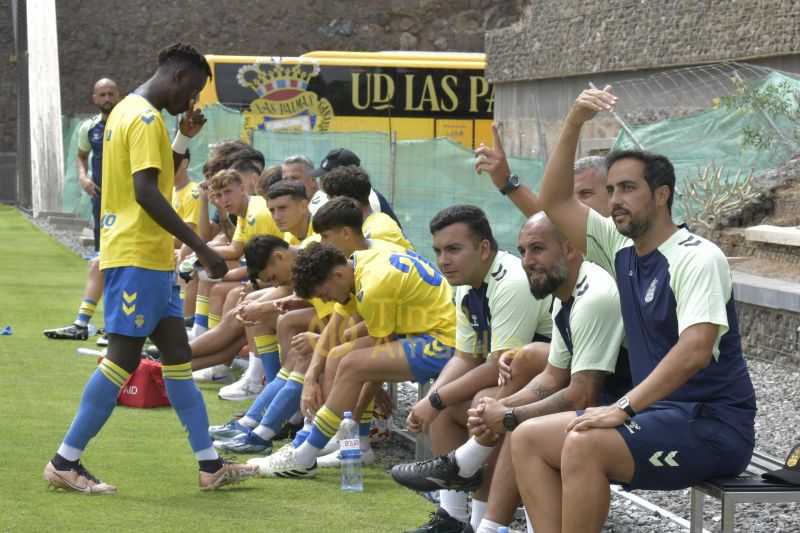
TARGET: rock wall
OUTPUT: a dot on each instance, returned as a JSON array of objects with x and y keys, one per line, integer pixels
[
  {"x": 770, "y": 334},
  {"x": 574, "y": 37},
  {"x": 121, "y": 40}
]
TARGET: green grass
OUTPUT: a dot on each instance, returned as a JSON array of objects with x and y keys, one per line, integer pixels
[{"x": 144, "y": 452}]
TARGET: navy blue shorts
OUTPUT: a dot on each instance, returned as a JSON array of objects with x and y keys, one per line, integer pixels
[
  {"x": 426, "y": 356},
  {"x": 677, "y": 445},
  {"x": 137, "y": 299}
]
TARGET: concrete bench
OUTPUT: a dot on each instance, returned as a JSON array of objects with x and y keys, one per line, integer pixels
[{"x": 749, "y": 487}]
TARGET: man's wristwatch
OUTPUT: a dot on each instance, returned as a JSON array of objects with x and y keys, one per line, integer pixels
[
  {"x": 510, "y": 421},
  {"x": 512, "y": 184},
  {"x": 625, "y": 404},
  {"x": 436, "y": 402}
]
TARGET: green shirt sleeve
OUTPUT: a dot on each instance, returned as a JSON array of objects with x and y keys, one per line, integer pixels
[
  {"x": 83, "y": 136},
  {"x": 517, "y": 315},
  {"x": 466, "y": 339},
  {"x": 603, "y": 241}
]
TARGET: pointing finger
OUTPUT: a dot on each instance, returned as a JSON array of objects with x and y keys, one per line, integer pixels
[{"x": 497, "y": 143}]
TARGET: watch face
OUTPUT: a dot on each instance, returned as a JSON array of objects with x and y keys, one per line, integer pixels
[
  {"x": 514, "y": 180},
  {"x": 623, "y": 402}
]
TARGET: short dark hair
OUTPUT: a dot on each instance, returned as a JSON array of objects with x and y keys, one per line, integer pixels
[
  {"x": 257, "y": 252},
  {"x": 282, "y": 187},
  {"x": 658, "y": 170},
  {"x": 350, "y": 181},
  {"x": 313, "y": 265},
  {"x": 471, "y": 215},
  {"x": 248, "y": 154},
  {"x": 245, "y": 165},
  {"x": 226, "y": 147},
  {"x": 271, "y": 175},
  {"x": 184, "y": 54},
  {"x": 338, "y": 212}
]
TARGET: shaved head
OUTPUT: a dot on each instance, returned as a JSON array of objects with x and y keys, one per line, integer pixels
[
  {"x": 103, "y": 83},
  {"x": 105, "y": 95},
  {"x": 540, "y": 222}
]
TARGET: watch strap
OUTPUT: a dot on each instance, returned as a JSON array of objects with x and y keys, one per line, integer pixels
[{"x": 512, "y": 183}]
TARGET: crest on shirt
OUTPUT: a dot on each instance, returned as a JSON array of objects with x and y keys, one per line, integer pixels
[{"x": 651, "y": 291}]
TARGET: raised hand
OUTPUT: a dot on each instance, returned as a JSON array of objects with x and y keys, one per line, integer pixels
[
  {"x": 493, "y": 160},
  {"x": 192, "y": 121},
  {"x": 589, "y": 103}
]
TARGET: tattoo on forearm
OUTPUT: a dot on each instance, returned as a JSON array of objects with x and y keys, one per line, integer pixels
[
  {"x": 539, "y": 390},
  {"x": 557, "y": 401}
]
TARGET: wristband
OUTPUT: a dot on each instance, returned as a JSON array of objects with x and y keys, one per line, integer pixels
[{"x": 181, "y": 143}]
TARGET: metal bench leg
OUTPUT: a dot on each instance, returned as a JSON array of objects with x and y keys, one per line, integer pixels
[
  {"x": 728, "y": 509},
  {"x": 696, "y": 515}
]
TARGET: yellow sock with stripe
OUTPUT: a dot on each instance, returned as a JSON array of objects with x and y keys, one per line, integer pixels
[
  {"x": 201, "y": 313},
  {"x": 85, "y": 312},
  {"x": 213, "y": 320},
  {"x": 268, "y": 352},
  {"x": 188, "y": 403},
  {"x": 97, "y": 403}
]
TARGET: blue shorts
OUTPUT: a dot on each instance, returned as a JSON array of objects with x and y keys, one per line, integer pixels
[
  {"x": 137, "y": 299},
  {"x": 676, "y": 445},
  {"x": 426, "y": 356}
]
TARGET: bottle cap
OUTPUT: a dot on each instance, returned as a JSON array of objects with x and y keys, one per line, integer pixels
[{"x": 348, "y": 414}]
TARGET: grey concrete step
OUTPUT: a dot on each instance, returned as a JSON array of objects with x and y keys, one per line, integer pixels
[
  {"x": 63, "y": 214},
  {"x": 786, "y": 236},
  {"x": 68, "y": 222},
  {"x": 766, "y": 292}
]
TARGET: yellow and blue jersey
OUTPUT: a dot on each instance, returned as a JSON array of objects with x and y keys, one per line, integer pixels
[
  {"x": 135, "y": 139},
  {"x": 257, "y": 221},
  {"x": 186, "y": 202},
  {"x": 290, "y": 237},
  {"x": 323, "y": 309},
  {"x": 403, "y": 294},
  {"x": 381, "y": 226}
]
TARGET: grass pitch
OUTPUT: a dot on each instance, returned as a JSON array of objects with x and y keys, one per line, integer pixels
[{"x": 144, "y": 452}]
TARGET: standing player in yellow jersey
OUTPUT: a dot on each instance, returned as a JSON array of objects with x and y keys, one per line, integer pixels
[
  {"x": 409, "y": 323},
  {"x": 138, "y": 261}
]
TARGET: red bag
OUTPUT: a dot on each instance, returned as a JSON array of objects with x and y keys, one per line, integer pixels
[{"x": 145, "y": 388}]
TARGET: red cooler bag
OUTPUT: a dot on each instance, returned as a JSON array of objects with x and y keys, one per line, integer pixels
[{"x": 145, "y": 388}]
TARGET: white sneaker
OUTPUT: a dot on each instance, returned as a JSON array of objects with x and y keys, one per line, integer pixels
[
  {"x": 258, "y": 461},
  {"x": 215, "y": 374},
  {"x": 244, "y": 389},
  {"x": 332, "y": 460},
  {"x": 282, "y": 464}
]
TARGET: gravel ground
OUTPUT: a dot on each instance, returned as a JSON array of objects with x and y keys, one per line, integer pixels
[{"x": 777, "y": 430}]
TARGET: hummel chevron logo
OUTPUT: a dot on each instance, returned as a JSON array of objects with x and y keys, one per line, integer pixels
[
  {"x": 500, "y": 273},
  {"x": 148, "y": 120},
  {"x": 129, "y": 298},
  {"x": 669, "y": 459},
  {"x": 128, "y": 309}
]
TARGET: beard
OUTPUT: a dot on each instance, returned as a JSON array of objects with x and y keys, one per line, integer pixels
[
  {"x": 638, "y": 225},
  {"x": 554, "y": 276}
]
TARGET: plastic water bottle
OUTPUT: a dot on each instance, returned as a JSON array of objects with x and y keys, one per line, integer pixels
[
  {"x": 92, "y": 329},
  {"x": 350, "y": 454}
]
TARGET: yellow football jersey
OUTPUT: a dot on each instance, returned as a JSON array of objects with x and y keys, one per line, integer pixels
[
  {"x": 135, "y": 139},
  {"x": 186, "y": 202},
  {"x": 375, "y": 244},
  {"x": 257, "y": 221},
  {"x": 403, "y": 293},
  {"x": 381, "y": 226}
]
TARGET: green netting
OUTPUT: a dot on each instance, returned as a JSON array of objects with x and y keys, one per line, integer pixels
[
  {"x": 419, "y": 178},
  {"x": 428, "y": 176},
  {"x": 712, "y": 136}
]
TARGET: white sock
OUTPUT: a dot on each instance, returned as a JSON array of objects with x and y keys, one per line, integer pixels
[
  {"x": 487, "y": 526},
  {"x": 308, "y": 424},
  {"x": 197, "y": 331},
  {"x": 264, "y": 432},
  {"x": 221, "y": 369},
  {"x": 248, "y": 422},
  {"x": 528, "y": 523},
  {"x": 296, "y": 418},
  {"x": 255, "y": 371},
  {"x": 306, "y": 454},
  {"x": 470, "y": 457},
  {"x": 69, "y": 453},
  {"x": 81, "y": 323},
  {"x": 363, "y": 443},
  {"x": 478, "y": 510},
  {"x": 209, "y": 454},
  {"x": 455, "y": 503}
]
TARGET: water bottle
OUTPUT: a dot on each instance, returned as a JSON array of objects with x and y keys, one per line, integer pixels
[
  {"x": 350, "y": 454},
  {"x": 92, "y": 329},
  {"x": 502, "y": 529}
]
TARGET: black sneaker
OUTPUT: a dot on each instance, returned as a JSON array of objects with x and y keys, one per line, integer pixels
[
  {"x": 435, "y": 474},
  {"x": 151, "y": 353},
  {"x": 288, "y": 431},
  {"x": 441, "y": 522},
  {"x": 72, "y": 332}
]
